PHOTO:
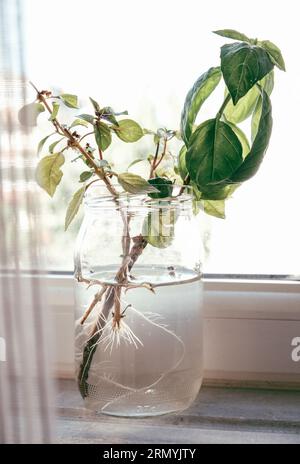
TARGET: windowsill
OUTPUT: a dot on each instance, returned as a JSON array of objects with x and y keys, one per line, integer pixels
[{"x": 219, "y": 415}]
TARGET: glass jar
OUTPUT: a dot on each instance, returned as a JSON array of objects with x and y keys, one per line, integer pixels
[{"x": 138, "y": 339}]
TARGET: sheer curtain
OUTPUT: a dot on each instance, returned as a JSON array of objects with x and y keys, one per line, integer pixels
[{"x": 25, "y": 380}]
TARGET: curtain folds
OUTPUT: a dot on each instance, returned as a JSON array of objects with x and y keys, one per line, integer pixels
[{"x": 25, "y": 380}]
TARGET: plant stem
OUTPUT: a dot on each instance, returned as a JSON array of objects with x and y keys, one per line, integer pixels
[
  {"x": 75, "y": 143},
  {"x": 224, "y": 104}
]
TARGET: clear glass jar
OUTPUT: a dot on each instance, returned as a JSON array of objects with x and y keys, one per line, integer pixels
[{"x": 138, "y": 340}]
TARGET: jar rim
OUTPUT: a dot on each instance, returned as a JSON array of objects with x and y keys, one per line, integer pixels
[{"x": 97, "y": 194}]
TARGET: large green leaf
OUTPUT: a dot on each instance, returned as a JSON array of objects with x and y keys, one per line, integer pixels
[
  {"x": 73, "y": 207},
  {"x": 195, "y": 98},
  {"x": 245, "y": 106},
  {"x": 159, "y": 227},
  {"x": 28, "y": 114},
  {"x": 129, "y": 131},
  {"x": 215, "y": 208},
  {"x": 48, "y": 173},
  {"x": 70, "y": 100},
  {"x": 102, "y": 135},
  {"x": 232, "y": 34},
  {"x": 241, "y": 136},
  {"x": 274, "y": 52},
  {"x": 260, "y": 143},
  {"x": 183, "y": 172},
  {"x": 214, "y": 153},
  {"x": 135, "y": 184},
  {"x": 218, "y": 192},
  {"x": 243, "y": 65}
]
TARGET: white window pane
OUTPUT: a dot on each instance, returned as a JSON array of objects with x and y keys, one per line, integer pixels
[{"x": 144, "y": 56}]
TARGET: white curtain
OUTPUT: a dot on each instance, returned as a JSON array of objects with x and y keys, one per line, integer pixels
[{"x": 25, "y": 379}]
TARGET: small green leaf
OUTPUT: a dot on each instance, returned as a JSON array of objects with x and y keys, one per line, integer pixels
[
  {"x": 71, "y": 101},
  {"x": 214, "y": 153},
  {"x": 260, "y": 144},
  {"x": 53, "y": 145},
  {"x": 42, "y": 143},
  {"x": 215, "y": 208},
  {"x": 164, "y": 187},
  {"x": 55, "y": 109},
  {"x": 85, "y": 175},
  {"x": 102, "y": 135},
  {"x": 95, "y": 105},
  {"x": 183, "y": 172},
  {"x": 108, "y": 114},
  {"x": 159, "y": 227},
  {"x": 28, "y": 114},
  {"x": 80, "y": 122},
  {"x": 243, "y": 65},
  {"x": 74, "y": 206},
  {"x": 232, "y": 34},
  {"x": 274, "y": 53},
  {"x": 48, "y": 173},
  {"x": 129, "y": 131},
  {"x": 86, "y": 117},
  {"x": 195, "y": 98},
  {"x": 138, "y": 160},
  {"x": 135, "y": 184}
]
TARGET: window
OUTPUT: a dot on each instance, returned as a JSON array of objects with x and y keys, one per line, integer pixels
[{"x": 144, "y": 57}]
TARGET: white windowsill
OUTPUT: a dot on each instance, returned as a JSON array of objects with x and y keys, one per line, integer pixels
[{"x": 248, "y": 330}]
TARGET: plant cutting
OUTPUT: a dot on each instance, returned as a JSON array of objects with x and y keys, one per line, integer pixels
[{"x": 138, "y": 336}]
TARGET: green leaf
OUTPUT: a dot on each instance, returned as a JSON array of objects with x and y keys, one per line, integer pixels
[
  {"x": 164, "y": 187},
  {"x": 218, "y": 192},
  {"x": 108, "y": 114},
  {"x": 95, "y": 105},
  {"x": 242, "y": 138},
  {"x": 214, "y": 153},
  {"x": 102, "y": 135},
  {"x": 28, "y": 114},
  {"x": 55, "y": 109},
  {"x": 71, "y": 101},
  {"x": 73, "y": 207},
  {"x": 135, "y": 184},
  {"x": 86, "y": 117},
  {"x": 215, "y": 208},
  {"x": 274, "y": 53},
  {"x": 195, "y": 98},
  {"x": 245, "y": 106},
  {"x": 138, "y": 160},
  {"x": 159, "y": 227},
  {"x": 85, "y": 175},
  {"x": 80, "y": 122},
  {"x": 232, "y": 34},
  {"x": 183, "y": 172},
  {"x": 243, "y": 65},
  {"x": 42, "y": 143},
  {"x": 256, "y": 118},
  {"x": 129, "y": 131},
  {"x": 53, "y": 145},
  {"x": 260, "y": 143},
  {"x": 48, "y": 173}
]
